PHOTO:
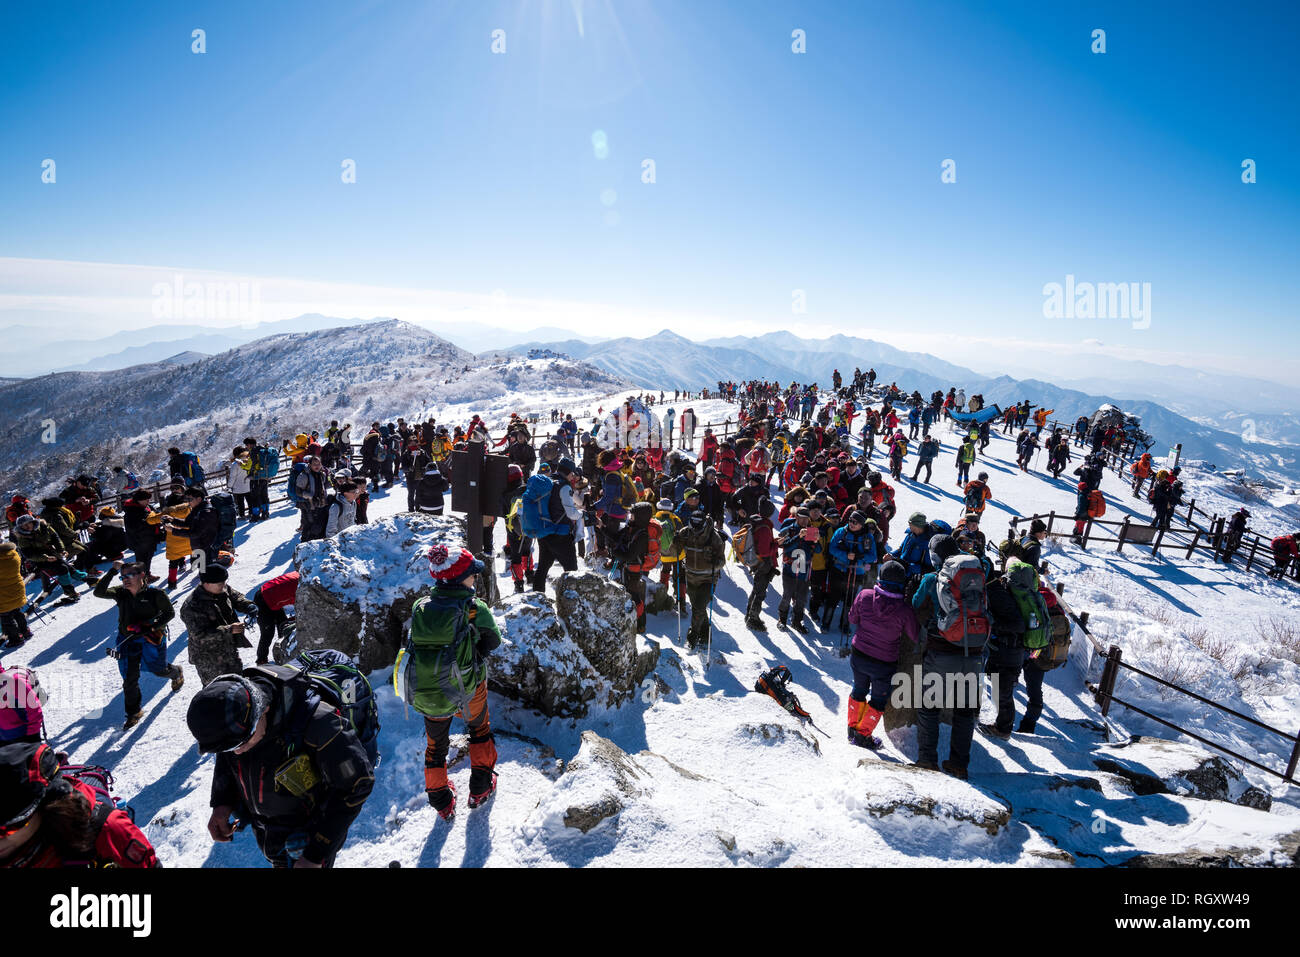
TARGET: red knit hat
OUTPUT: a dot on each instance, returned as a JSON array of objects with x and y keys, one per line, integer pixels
[{"x": 452, "y": 567}]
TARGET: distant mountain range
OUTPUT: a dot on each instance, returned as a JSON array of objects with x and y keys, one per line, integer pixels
[
  {"x": 273, "y": 387},
  {"x": 669, "y": 361},
  {"x": 314, "y": 364}
]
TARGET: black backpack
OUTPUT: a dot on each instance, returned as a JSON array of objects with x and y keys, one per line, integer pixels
[
  {"x": 224, "y": 503},
  {"x": 331, "y": 677}
]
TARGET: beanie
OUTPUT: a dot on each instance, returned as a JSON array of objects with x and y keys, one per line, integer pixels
[
  {"x": 452, "y": 568},
  {"x": 224, "y": 714}
]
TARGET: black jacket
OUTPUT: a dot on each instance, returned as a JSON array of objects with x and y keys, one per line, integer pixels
[
  {"x": 148, "y": 611},
  {"x": 201, "y": 525},
  {"x": 1006, "y": 649},
  {"x": 345, "y": 778}
]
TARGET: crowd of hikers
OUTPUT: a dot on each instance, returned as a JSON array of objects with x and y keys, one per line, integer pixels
[{"x": 632, "y": 495}]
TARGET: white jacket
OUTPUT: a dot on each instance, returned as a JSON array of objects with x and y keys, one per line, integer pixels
[{"x": 237, "y": 476}]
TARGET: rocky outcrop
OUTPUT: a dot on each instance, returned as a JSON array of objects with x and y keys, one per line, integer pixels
[
  {"x": 580, "y": 650},
  {"x": 1159, "y": 766},
  {"x": 358, "y": 587},
  {"x": 561, "y": 656},
  {"x": 916, "y": 793}
]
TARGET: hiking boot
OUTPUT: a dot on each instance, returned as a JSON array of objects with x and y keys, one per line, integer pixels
[
  {"x": 958, "y": 773},
  {"x": 800, "y": 627},
  {"x": 925, "y": 765},
  {"x": 1026, "y": 728},
  {"x": 443, "y": 800},
  {"x": 178, "y": 679},
  {"x": 756, "y": 624},
  {"x": 993, "y": 731},
  {"x": 519, "y": 586},
  {"x": 17, "y": 641},
  {"x": 482, "y": 797},
  {"x": 782, "y": 620},
  {"x": 870, "y": 742},
  {"x": 132, "y": 720}
]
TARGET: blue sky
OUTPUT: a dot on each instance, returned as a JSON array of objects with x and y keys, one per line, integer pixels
[{"x": 775, "y": 171}]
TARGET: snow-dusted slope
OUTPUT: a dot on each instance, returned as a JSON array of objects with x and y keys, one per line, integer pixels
[{"x": 701, "y": 771}]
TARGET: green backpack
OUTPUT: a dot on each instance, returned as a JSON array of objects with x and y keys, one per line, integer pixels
[
  {"x": 439, "y": 668},
  {"x": 1022, "y": 581}
]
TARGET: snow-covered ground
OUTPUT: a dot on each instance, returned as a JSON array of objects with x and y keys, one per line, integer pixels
[{"x": 716, "y": 774}]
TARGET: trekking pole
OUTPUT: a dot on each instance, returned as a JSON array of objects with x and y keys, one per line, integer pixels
[
  {"x": 708, "y": 645},
  {"x": 848, "y": 599}
]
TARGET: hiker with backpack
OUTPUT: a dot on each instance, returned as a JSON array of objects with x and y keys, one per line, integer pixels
[
  {"x": 295, "y": 755},
  {"x": 1089, "y": 503},
  {"x": 443, "y": 673},
  {"x": 53, "y": 815},
  {"x": 40, "y": 547},
  {"x": 549, "y": 514},
  {"x": 1021, "y": 623},
  {"x": 308, "y": 490},
  {"x": 705, "y": 556},
  {"x": 264, "y": 465},
  {"x": 142, "y": 616},
  {"x": 519, "y": 547},
  {"x": 637, "y": 551},
  {"x": 671, "y": 550},
  {"x": 216, "y": 633},
  {"x": 965, "y": 458},
  {"x": 341, "y": 508},
  {"x": 880, "y": 618},
  {"x": 1058, "y": 455},
  {"x": 13, "y": 597},
  {"x": 799, "y": 541},
  {"x": 1236, "y": 530},
  {"x": 976, "y": 494},
  {"x": 926, "y": 453},
  {"x": 853, "y": 559},
  {"x": 755, "y": 546},
  {"x": 951, "y": 606},
  {"x": 201, "y": 525},
  {"x": 186, "y": 466}
]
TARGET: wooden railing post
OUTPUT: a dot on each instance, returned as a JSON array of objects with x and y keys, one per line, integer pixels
[{"x": 1123, "y": 534}]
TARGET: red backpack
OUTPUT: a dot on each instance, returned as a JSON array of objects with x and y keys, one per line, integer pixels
[
  {"x": 1096, "y": 504},
  {"x": 962, "y": 612}
]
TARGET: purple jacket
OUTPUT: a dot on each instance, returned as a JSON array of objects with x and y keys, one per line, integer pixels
[{"x": 881, "y": 619}]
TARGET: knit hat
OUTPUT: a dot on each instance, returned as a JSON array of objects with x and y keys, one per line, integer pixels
[
  {"x": 766, "y": 507},
  {"x": 214, "y": 575},
  {"x": 698, "y": 518},
  {"x": 565, "y": 467},
  {"x": 916, "y": 518},
  {"x": 942, "y": 547},
  {"x": 514, "y": 472},
  {"x": 666, "y": 504},
  {"x": 225, "y": 713},
  {"x": 26, "y": 772},
  {"x": 856, "y": 518},
  {"x": 24, "y": 522},
  {"x": 689, "y": 492},
  {"x": 803, "y": 512},
  {"x": 893, "y": 577},
  {"x": 451, "y": 568},
  {"x": 1038, "y": 525}
]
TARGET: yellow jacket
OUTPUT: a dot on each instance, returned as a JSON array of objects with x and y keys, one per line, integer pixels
[
  {"x": 178, "y": 546},
  {"x": 12, "y": 592},
  {"x": 299, "y": 447},
  {"x": 439, "y": 449}
]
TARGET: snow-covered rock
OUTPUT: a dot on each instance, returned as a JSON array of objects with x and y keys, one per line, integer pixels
[
  {"x": 1159, "y": 766},
  {"x": 565, "y": 655}
]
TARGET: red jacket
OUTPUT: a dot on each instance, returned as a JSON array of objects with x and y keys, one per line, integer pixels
[
  {"x": 280, "y": 591},
  {"x": 765, "y": 545},
  {"x": 708, "y": 448},
  {"x": 119, "y": 844}
]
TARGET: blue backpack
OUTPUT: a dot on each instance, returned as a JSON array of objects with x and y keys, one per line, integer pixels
[
  {"x": 191, "y": 470},
  {"x": 535, "y": 509},
  {"x": 268, "y": 462},
  {"x": 292, "y": 489}
]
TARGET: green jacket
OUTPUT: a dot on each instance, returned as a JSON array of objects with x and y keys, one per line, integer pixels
[
  {"x": 208, "y": 615},
  {"x": 440, "y": 677},
  {"x": 41, "y": 546}
]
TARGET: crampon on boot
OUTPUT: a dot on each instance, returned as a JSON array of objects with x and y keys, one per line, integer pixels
[
  {"x": 443, "y": 800},
  {"x": 479, "y": 798}
]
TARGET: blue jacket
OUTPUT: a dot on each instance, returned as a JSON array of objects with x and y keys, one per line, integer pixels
[
  {"x": 927, "y": 450},
  {"x": 914, "y": 416},
  {"x": 862, "y": 545},
  {"x": 792, "y": 544},
  {"x": 914, "y": 552},
  {"x": 927, "y": 415}
]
